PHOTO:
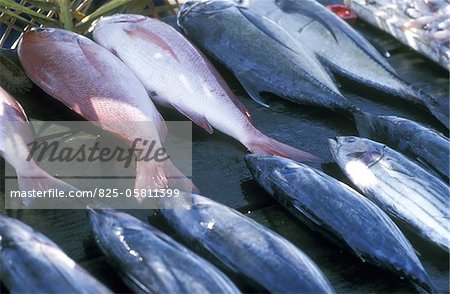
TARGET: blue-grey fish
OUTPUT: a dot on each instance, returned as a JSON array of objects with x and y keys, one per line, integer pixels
[
  {"x": 149, "y": 261},
  {"x": 247, "y": 247},
  {"x": 344, "y": 50},
  {"x": 31, "y": 263},
  {"x": 426, "y": 145},
  {"x": 340, "y": 213},
  {"x": 262, "y": 55},
  {"x": 397, "y": 185}
]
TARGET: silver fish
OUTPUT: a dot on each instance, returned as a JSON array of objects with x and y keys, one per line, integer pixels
[
  {"x": 397, "y": 185},
  {"x": 340, "y": 213},
  {"x": 260, "y": 53},
  {"x": 149, "y": 261},
  {"x": 30, "y": 176},
  {"x": 344, "y": 50},
  {"x": 423, "y": 144},
  {"x": 269, "y": 260},
  {"x": 31, "y": 263},
  {"x": 176, "y": 74}
]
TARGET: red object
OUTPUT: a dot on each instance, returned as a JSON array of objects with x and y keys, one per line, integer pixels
[{"x": 344, "y": 12}]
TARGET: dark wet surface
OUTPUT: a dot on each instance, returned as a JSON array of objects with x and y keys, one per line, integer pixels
[{"x": 220, "y": 173}]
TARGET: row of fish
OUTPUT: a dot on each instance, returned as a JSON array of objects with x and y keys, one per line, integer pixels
[
  {"x": 138, "y": 60},
  {"x": 150, "y": 261},
  {"x": 292, "y": 34}
]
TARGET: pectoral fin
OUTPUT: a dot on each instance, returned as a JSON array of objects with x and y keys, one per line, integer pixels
[
  {"x": 197, "y": 118},
  {"x": 251, "y": 89}
]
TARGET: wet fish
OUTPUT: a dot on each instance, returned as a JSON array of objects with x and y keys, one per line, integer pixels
[
  {"x": 98, "y": 86},
  {"x": 426, "y": 145},
  {"x": 261, "y": 54},
  {"x": 397, "y": 185},
  {"x": 149, "y": 261},
  {"x": 344, "y": 50},
  {"x": 15, "y": 135},
  {"x": 338, "y": 212},
  {"x": 31, "y": 263},
  {"x": 176, "y": 74},
  {"x": 270, "y": 260}
]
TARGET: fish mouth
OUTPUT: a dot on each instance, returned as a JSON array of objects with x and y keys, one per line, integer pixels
[
  {"x": 333, "y": 145},
  {"x": 119, "y": 18}
]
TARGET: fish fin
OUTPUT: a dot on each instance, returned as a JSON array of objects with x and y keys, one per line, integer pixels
[
  {"x": 136, "y": 31},
  {"x": 272, "y": 29},
  {"x": 385, "y": 53},
  {"x": 90, "y": 54},
  {"x": 292, "y": 7},
  {"x": 251, "y": 89},
  {"x": 440, "y": 110},
  {"x": 280, "y": 187},
  {"x": 197, "y": 118},
  {"x": 40, "y": 180},
  {"x": 161, "y": 175},
  {"x": 261, "y": 144}
]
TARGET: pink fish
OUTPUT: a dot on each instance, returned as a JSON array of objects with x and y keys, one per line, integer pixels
[
  {"x": 176, "y": 74},
  {"x": 30, "y": 175},
  {"x": 99, "y": 87}
]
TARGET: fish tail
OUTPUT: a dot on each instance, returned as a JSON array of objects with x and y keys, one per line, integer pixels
[
  {"x": 261, "y": 144},
  {"x": 40, "y": 180},
  {"x": 438, "y": 106},
  {"x": 161, "y": 175}
]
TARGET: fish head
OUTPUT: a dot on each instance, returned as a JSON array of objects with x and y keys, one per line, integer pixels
[
  {"x": 263, "y": 167},
  {"x": 355, "y": 149},
  {"x": 17, "y": 234},
  {"x": 107, "y": 222},
  {"x": 46, "y": 35},
  {"x": 203, "y": 7}
]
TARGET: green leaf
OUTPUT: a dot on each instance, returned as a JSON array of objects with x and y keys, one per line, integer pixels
[
  {"x": 9, "y": 4},
  {"x": 104, "y": 9},
  {"x": 65, "y": 16},
  {"x": 44, "y": 5},
  {"x": 28, "y": 21}
]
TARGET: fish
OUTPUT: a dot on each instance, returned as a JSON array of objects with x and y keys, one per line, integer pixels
[
  {"x": 270, "y": 261},
  {"x": 397, "y": 185},
  {"x": 177, "y": 75},
  {"x": 149, "y": 261},
  {"x": 15, "y": 137},
  {"x": 339, "y": 213},
  {"x": 261, "y": 54},
  {"x": 95, "y": 84},
  {"x": 425, "y": 145},
  {"x": 345, "y": 51},
  {"x": 32, "y": 263}
]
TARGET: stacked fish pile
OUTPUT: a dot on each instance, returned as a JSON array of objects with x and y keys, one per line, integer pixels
[{"x": 284, "y": 47}]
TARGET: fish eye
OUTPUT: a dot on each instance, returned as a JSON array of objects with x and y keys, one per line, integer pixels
[{"x": 351, "y": 140}]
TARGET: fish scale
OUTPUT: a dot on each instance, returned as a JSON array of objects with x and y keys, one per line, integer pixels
[
  {"x": 398, "y": 186},
  {"x": 98, "y": 86},
  {"x": 339, "y": 213},
  {"x": 31, "y": 263},
  {"x": 178, "y": 75}
]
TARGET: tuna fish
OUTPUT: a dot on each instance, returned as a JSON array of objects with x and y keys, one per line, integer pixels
[
  {"x": 15, "y": 135},
  {"x": 340, "y": 213},
  {"x": 423, "y": 144},
  {"x": 261, "y": 54},
  {"x": 31, "y": 263},
  {"x": 98, "y": 86},
  {"x": 397, "y": 185},
  {"x": 149, "y": 261},
  {"x": 344, "y": 50},
  {"x": 176, "y": 74},
  {"x": 270, "y": 260}
]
